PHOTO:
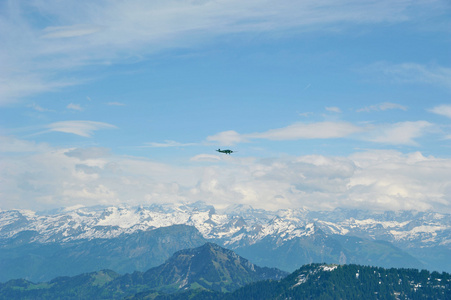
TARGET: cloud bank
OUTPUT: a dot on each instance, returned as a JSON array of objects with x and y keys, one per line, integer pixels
[{"x": 382, "y": 180}]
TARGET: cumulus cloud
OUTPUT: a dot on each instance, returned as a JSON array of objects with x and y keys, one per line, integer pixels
[
  {"x": 371, "y": 179},
  {"x": 400, "y": 181}
]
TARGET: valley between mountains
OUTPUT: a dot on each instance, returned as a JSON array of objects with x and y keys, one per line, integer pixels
[{"x": 39, "y": 246}]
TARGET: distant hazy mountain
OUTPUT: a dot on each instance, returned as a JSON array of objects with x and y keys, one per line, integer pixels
[
  {"x": 137, "y": 250},
  {"x": 40, "y": 246},
  {"x": 209, "y": 267}
]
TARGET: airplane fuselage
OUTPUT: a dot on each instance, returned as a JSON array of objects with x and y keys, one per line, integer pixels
[{"x": 226, "y": 151}]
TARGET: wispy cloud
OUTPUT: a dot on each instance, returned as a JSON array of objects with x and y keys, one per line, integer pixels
[
  {"x": 402, "y": 133},
  {"x": 333, "y": 109},
  {"x": 227, "y": 138},
  {"x": 74, "y": 106},
  {"x": 81, "y": 128},
  {"x": 116, "y": 104},
  {"x": 168, "y": 143},
  {"x": 320, "y": 130},
  {"x": 414, "y": 73},
  {"x": 53, "y": 32},
  {"x": 81, "y": 34},
  {"x": 297, "y": 131},
  {"x": 443, "y": 110},
  {"x": 40, "y": 108},
  {"x": 382, "y": 107},
  {"x": 205, "y": 158},
  {"x": 306, "y": 114}
]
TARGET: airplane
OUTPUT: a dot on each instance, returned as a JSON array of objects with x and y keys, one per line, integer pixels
[{"x": 227, "y": 151}]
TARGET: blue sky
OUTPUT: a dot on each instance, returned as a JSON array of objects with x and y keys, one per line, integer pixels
[{"x": 327, "y": 103}]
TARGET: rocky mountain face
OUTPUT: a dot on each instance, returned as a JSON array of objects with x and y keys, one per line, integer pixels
[
  {"x": 137, "y": 238},
  {"x": 209, "y": 267}
]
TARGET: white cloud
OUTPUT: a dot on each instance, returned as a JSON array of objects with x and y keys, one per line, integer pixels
[
  {"x": 80, "y": 33},
  {"x": 88, "y": 153},
  {"x": 74, "y": 106},
  {"x": 306, "y": 114},
  {"x": 227, "y": 138},
  {"x": 39, "y": 108},
  {"x": 81, "y": 128},
  {"x": 9, "y": 144},
  {"x": 333, "y": 109},
  {"x": 443, "y": 110},
  {"x": 382, "y": 180},
  {"x": 167, "y": 144},
  {"x": 116, "y": 104},
  {"x": 53, "y": 32},
  {"x": 382, "y": 107},
  {"x": 402, "y": 133},
  {"x": 320, "y": 130},
  {"x": 414, "y": 73},
  {"x": 205, "y": 157},
  {"x": 400, "y": 181}
]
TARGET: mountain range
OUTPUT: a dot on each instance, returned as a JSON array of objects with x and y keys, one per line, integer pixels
[
  {"x": 39, "y": 246},
  {"x": 213, "y": 272}
]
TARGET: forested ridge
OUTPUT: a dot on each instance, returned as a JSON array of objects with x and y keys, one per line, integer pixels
[{"x": 314, "y": 281}]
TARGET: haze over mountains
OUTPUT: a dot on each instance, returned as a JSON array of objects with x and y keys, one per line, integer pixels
[
  {"x": 212, "y": 272},
  {"x": 41, "y": 246}
]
